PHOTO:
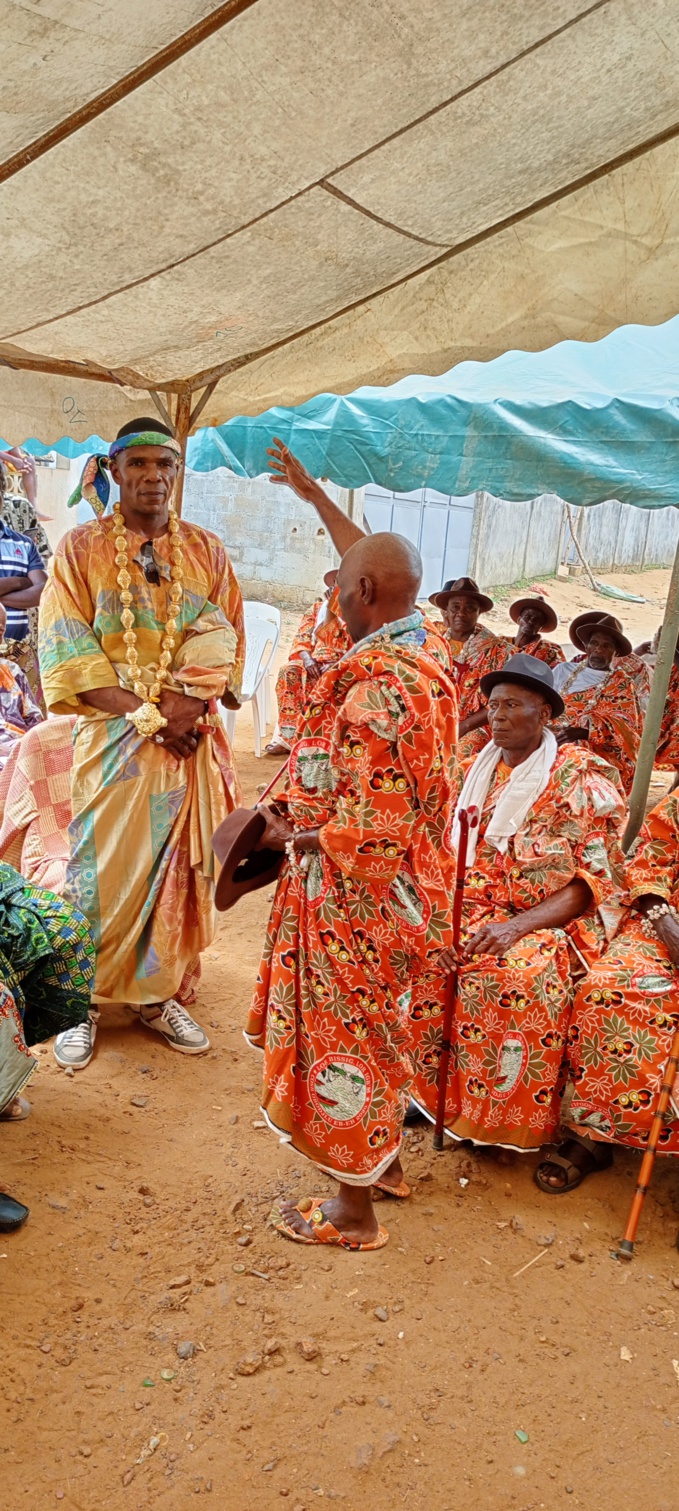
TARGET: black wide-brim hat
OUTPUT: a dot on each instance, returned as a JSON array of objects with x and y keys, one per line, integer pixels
[
  {"x": 461, "y": 587},
  {"x": 526, "y": 671},
  {"x": 549, "y": 618},
  {"x": 594, "y": 619}
]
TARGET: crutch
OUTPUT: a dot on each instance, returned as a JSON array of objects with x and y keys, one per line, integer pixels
[
  {"x": 626, "y": 1246},
  {"x": 468, "y": 818}
]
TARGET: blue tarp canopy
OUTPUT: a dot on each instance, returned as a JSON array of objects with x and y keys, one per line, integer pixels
[{"x": 589, "y": 421}]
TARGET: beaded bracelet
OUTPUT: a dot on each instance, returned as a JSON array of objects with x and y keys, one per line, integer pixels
[
  {"x": 296, "y": 861},
  {"x": 658, "y": 911}
]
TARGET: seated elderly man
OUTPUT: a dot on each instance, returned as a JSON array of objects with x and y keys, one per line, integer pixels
[
  {"x": 534, "y": 617},
  {"x": 625, "y": 1016},
  {"x": 475, "y": 650},
  {"x": 321, "y": 638},
  {"x": 601, "y": 700},
  {"x": 541, "y": 897},
  {"x": 636, "y": 663},
  {"x": 18, "y": 708}
]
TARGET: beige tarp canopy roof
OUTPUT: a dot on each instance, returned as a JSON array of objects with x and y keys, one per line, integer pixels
[{"x": 263, "y": 199}]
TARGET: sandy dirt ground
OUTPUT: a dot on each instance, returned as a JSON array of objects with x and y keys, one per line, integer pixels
[
  {"x": 572, "y": 595},
  {"x": 402, "y": 1377}
]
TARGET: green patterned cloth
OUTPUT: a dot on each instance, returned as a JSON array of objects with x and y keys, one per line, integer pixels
[{"x": 47, "y": 957}]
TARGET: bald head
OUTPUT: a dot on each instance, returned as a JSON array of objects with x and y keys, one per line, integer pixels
[{"x": 378, "y": 579}]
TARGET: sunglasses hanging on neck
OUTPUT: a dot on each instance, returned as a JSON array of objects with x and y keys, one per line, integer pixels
[{"x": 148, "y": 563}]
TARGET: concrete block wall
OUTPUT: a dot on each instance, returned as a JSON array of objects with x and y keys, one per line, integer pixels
[
  {"x": 278, "y": 546},
  {"x": 514, "y": 541},
  {"x": 661, "y": 538},
  {"x": 511, "y": 542},
  {"x": 615, "y": 536},
  {"x": 598, "y": 530}
]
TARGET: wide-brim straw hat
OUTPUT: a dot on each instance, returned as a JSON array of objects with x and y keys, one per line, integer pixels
[
  {"x": 461, "y": 587},
  {"x": 549, "y": 618},
  {"x": 583, "y": 626},
  {"x": 526, "y": 671}
]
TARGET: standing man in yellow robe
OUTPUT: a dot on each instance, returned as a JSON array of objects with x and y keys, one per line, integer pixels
[{"x": 141, "y": 631}]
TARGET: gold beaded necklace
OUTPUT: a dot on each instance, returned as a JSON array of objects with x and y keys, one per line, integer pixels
[{"x": 148, "y": 719}]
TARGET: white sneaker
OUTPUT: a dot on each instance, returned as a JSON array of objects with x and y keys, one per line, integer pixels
[
  {"x": 73, "y": 1049},
  {"x": 176, "y": 1025}
]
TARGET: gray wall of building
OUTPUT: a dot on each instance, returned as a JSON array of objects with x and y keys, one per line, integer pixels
[
  {"x": 277, "y": 544},
  {"x": 614, "y": 535},
  {"x": 514, "y": 541},
  {"x": 511, "y": 542},
  {"x": 280, "y": 550}
]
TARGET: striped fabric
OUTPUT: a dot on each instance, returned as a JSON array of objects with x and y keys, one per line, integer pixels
[{"x": 18, "y": 556}]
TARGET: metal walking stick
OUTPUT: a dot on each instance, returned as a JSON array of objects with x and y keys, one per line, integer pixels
[
  {"x": 468, "y": 819},
  {"x": 626, "y": 1246}
]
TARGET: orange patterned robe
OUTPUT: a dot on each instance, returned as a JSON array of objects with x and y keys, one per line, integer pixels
[
  {"x": 512, "y": 1013},
  {"x": 374, "y": 768},
  {"x": 326, "y": 643},
  {"x": 482, "y": 652},
  {"x": 544, "y": 650},
  {"x": 667, "y": 754},
  {"x": 627, "y": 1009},
  {"x": 612, "y": 713}
]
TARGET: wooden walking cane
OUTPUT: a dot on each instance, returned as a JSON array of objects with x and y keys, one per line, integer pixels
[
  {"x": 626, "y": 1246},
  {"x": 468, "y": 819}
]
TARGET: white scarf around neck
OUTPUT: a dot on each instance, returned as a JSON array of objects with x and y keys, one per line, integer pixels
[{"x": 518, "y": 796}]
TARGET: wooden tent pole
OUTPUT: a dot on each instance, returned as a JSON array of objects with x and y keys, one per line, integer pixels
[
  {"x": 182, "y": 425},
  {"x": 655, "y": 710},
  {"x": 162, "y": 408}
]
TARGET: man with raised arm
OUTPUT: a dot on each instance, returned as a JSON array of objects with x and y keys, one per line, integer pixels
[
  {"x": 362, "y": 902},
  {"x": 343, "y": 531},
  {"x": 141, "y": 630}
]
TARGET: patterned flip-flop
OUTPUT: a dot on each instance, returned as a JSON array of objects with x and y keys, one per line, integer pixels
[
  {"x": 325, "y": 1232},
  {"x": 401, "y": 1192}
]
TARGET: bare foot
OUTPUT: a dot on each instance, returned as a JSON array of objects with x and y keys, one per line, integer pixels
[
  {"x": 276, "y": 747},
  {"x": 354, "y": 1219}
]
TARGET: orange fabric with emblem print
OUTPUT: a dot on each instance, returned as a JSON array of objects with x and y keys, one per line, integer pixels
[
  {"x": 512, "y": 1014},
  {"x": 323, "y": 635},
  {"x": 374, "y": 771},
  {"x": 626, "y": 1011}
]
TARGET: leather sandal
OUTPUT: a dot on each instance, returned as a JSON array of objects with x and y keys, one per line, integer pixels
[
  {"x": 324, "y": 1232},
  {"x": 575, "y": 1173}
]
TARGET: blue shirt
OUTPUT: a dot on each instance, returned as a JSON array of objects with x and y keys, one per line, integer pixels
[{"x": 18, "y": 556}]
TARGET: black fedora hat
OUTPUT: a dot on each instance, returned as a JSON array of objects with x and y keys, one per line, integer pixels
[
  {"x": 462, "y": 587},
  {"x": 584, "y": 625},
  {"x": 549, "y": 618},
  {"x": 527, "y": 671}
]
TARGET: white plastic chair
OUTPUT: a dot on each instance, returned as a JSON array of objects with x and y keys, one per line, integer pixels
[{"x": 262, "y": 633}]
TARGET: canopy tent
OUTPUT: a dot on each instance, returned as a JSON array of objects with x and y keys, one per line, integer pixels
[
  {"x": 258, "y": 200},
  {"x": 589, "y": 422},
  {"x": 239, "y": 205}
]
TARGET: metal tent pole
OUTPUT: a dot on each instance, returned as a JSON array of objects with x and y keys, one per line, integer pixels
[{"x": 655, "y": 710}]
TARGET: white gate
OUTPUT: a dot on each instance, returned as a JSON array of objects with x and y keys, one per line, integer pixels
[{"x": 438, "y": 524}]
